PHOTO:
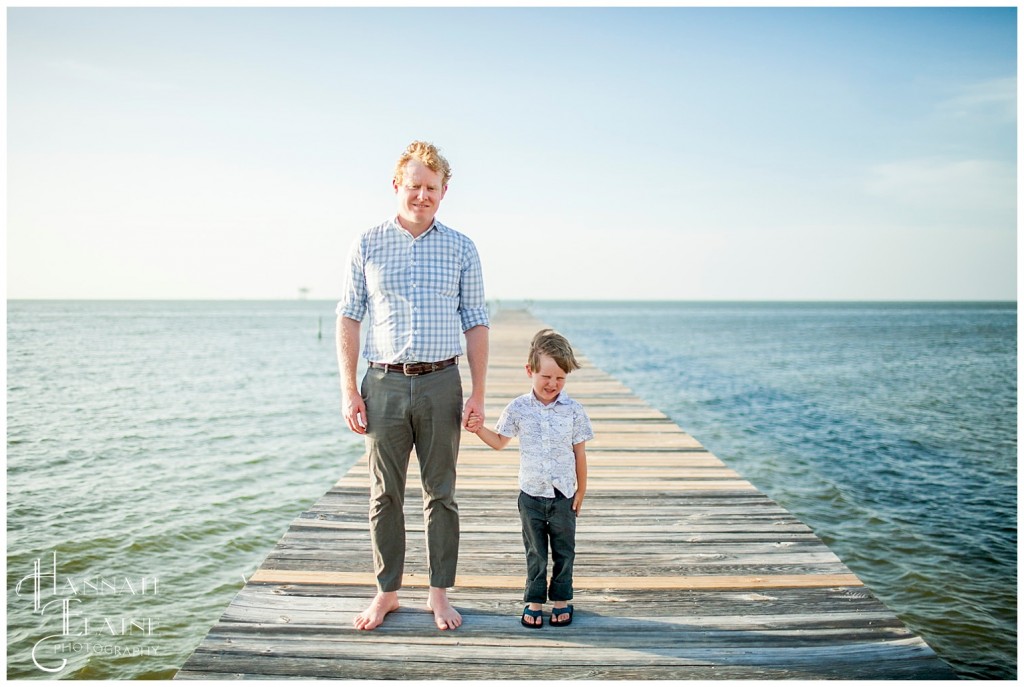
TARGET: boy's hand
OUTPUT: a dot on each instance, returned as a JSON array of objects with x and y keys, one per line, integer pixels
[
  {"x": 577, "y": 503},
  {"x": 474, "y": 423}
]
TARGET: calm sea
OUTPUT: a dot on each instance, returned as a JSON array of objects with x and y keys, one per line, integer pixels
[{"x": 157, "y": 450}]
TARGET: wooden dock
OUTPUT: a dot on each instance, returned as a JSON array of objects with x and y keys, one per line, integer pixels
[{"x": 683, "y": 571}]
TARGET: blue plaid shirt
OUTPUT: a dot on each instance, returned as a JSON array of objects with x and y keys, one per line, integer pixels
[{"x": 420, "y": 293}]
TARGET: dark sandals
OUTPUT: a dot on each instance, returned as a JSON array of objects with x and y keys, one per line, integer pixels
[
  {"x": 555, "y": 612},
  {"x": 539, "y": 615},
  {"x": 560, "y": 611}
]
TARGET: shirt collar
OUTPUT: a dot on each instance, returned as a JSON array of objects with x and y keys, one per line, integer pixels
[
  {"x": 561, "y": 399},
  {"x": 434, "y": 225}
]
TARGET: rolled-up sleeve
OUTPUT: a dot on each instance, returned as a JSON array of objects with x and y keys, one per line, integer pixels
[
  {"x": 472, "y": 303},
  {"x": 353, "y": 302}
]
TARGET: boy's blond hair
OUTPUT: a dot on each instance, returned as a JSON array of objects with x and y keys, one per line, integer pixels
[
  {"x": 550, "y": 343},
  {"x": 429, "y": 155}
]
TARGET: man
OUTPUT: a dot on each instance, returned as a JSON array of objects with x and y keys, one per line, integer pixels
[{"x": 419, "y": 285}]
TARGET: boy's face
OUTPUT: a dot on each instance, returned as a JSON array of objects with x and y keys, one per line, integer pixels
[{"x": 548, "y": 379}]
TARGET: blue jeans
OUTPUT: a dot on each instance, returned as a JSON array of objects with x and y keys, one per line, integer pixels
[{"x": 548, "y": 521}]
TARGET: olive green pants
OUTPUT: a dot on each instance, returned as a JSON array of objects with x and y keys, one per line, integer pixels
[{"x": 403, "y": 413}]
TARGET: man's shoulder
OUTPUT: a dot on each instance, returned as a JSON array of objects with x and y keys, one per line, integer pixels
[
  {"x": 372, "y": 236},
  {"x": 378, "y": 229},
  {"x": 452, "y": 234}
]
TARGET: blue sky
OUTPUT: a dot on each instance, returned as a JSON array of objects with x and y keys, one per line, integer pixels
[{"x": 606, "y": 153}]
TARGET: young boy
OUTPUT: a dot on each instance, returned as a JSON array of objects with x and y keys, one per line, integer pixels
[{"x": 553, "y": 430}]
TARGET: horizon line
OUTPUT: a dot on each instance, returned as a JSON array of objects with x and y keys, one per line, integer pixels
[{"x": 532, "y": 300}]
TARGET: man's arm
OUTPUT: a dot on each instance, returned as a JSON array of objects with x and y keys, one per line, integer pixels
[
  {"x": 477, "y": 350},
  {"x": 352, "y": 407}
]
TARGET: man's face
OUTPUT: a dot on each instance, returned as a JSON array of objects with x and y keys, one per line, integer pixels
[{"x": 419, "y": 194}]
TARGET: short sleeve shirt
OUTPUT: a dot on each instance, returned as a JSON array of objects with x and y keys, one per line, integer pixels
[{"x": 546, "y": 434}]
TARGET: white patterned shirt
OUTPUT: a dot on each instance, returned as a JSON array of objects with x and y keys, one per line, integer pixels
[
  {"x": 420, "y": 293},
  {"x": 546, "y": 434}
]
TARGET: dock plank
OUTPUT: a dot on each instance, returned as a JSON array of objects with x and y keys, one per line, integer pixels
[{"x": 684, "y": 571}]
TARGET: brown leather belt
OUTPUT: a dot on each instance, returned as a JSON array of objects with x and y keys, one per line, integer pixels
[{"x": 415, "y": 369}]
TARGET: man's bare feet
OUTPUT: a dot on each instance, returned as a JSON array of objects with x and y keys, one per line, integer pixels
[
  {"x": 445, "y": 617},
  {"x": 382, "y": 604}
]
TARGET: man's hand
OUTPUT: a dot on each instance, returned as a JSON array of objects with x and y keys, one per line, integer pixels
[
  {"x": 474, "y": 408},
  {"x": 354, "y": 410},
  {"x": 474, "y": 423}
]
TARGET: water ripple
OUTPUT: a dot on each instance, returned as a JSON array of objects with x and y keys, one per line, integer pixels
[{"x": 890, "y": 429}]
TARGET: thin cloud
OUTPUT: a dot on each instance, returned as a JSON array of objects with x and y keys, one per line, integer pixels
[
  {"x": 976, "y": 185},
  {"x": 993, "y": 97}
]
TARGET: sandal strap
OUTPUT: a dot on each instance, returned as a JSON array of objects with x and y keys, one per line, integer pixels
[{"x": 555, "y": 612}]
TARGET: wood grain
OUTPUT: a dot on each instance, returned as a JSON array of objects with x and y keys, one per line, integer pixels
[{"x": 684, "y": 570}]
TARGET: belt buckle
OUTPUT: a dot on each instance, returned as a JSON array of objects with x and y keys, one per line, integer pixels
[{"x": 405, "y": 370}]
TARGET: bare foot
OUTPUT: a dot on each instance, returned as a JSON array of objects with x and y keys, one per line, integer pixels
[
  {"x": 560, "y": 614},
  {"x": 382, "y": 604},
  {"x": 445, "y": 617}
]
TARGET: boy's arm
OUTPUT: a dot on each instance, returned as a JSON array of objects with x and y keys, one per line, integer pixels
[
  {"x": 580, "y": 451},
  {"x": 488, "y": 436}
]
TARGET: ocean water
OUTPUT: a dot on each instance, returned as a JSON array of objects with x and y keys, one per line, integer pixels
[
  {"x": 156, "y": 441},
  {"x": 156, "y": 451},
  {"x": 888, "y": 428}
]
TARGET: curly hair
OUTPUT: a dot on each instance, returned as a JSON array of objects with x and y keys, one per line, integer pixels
[
  {"x": 429, "y": 155},
  {"x": 550, "y": 343}
]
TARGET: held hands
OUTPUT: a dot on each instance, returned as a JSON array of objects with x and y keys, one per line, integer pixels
[
  {"x": 474, "y": 423},
  {"x": 474, "y": 408}
]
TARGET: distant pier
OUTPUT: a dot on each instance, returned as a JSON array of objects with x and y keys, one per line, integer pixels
[{"x": 683, "y": 571}]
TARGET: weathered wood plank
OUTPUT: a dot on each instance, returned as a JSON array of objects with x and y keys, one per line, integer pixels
[
  {"x": 684, "y": 571},
  {"x": 795, "y": 603},
  {"x": 276, "y": 576}
]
